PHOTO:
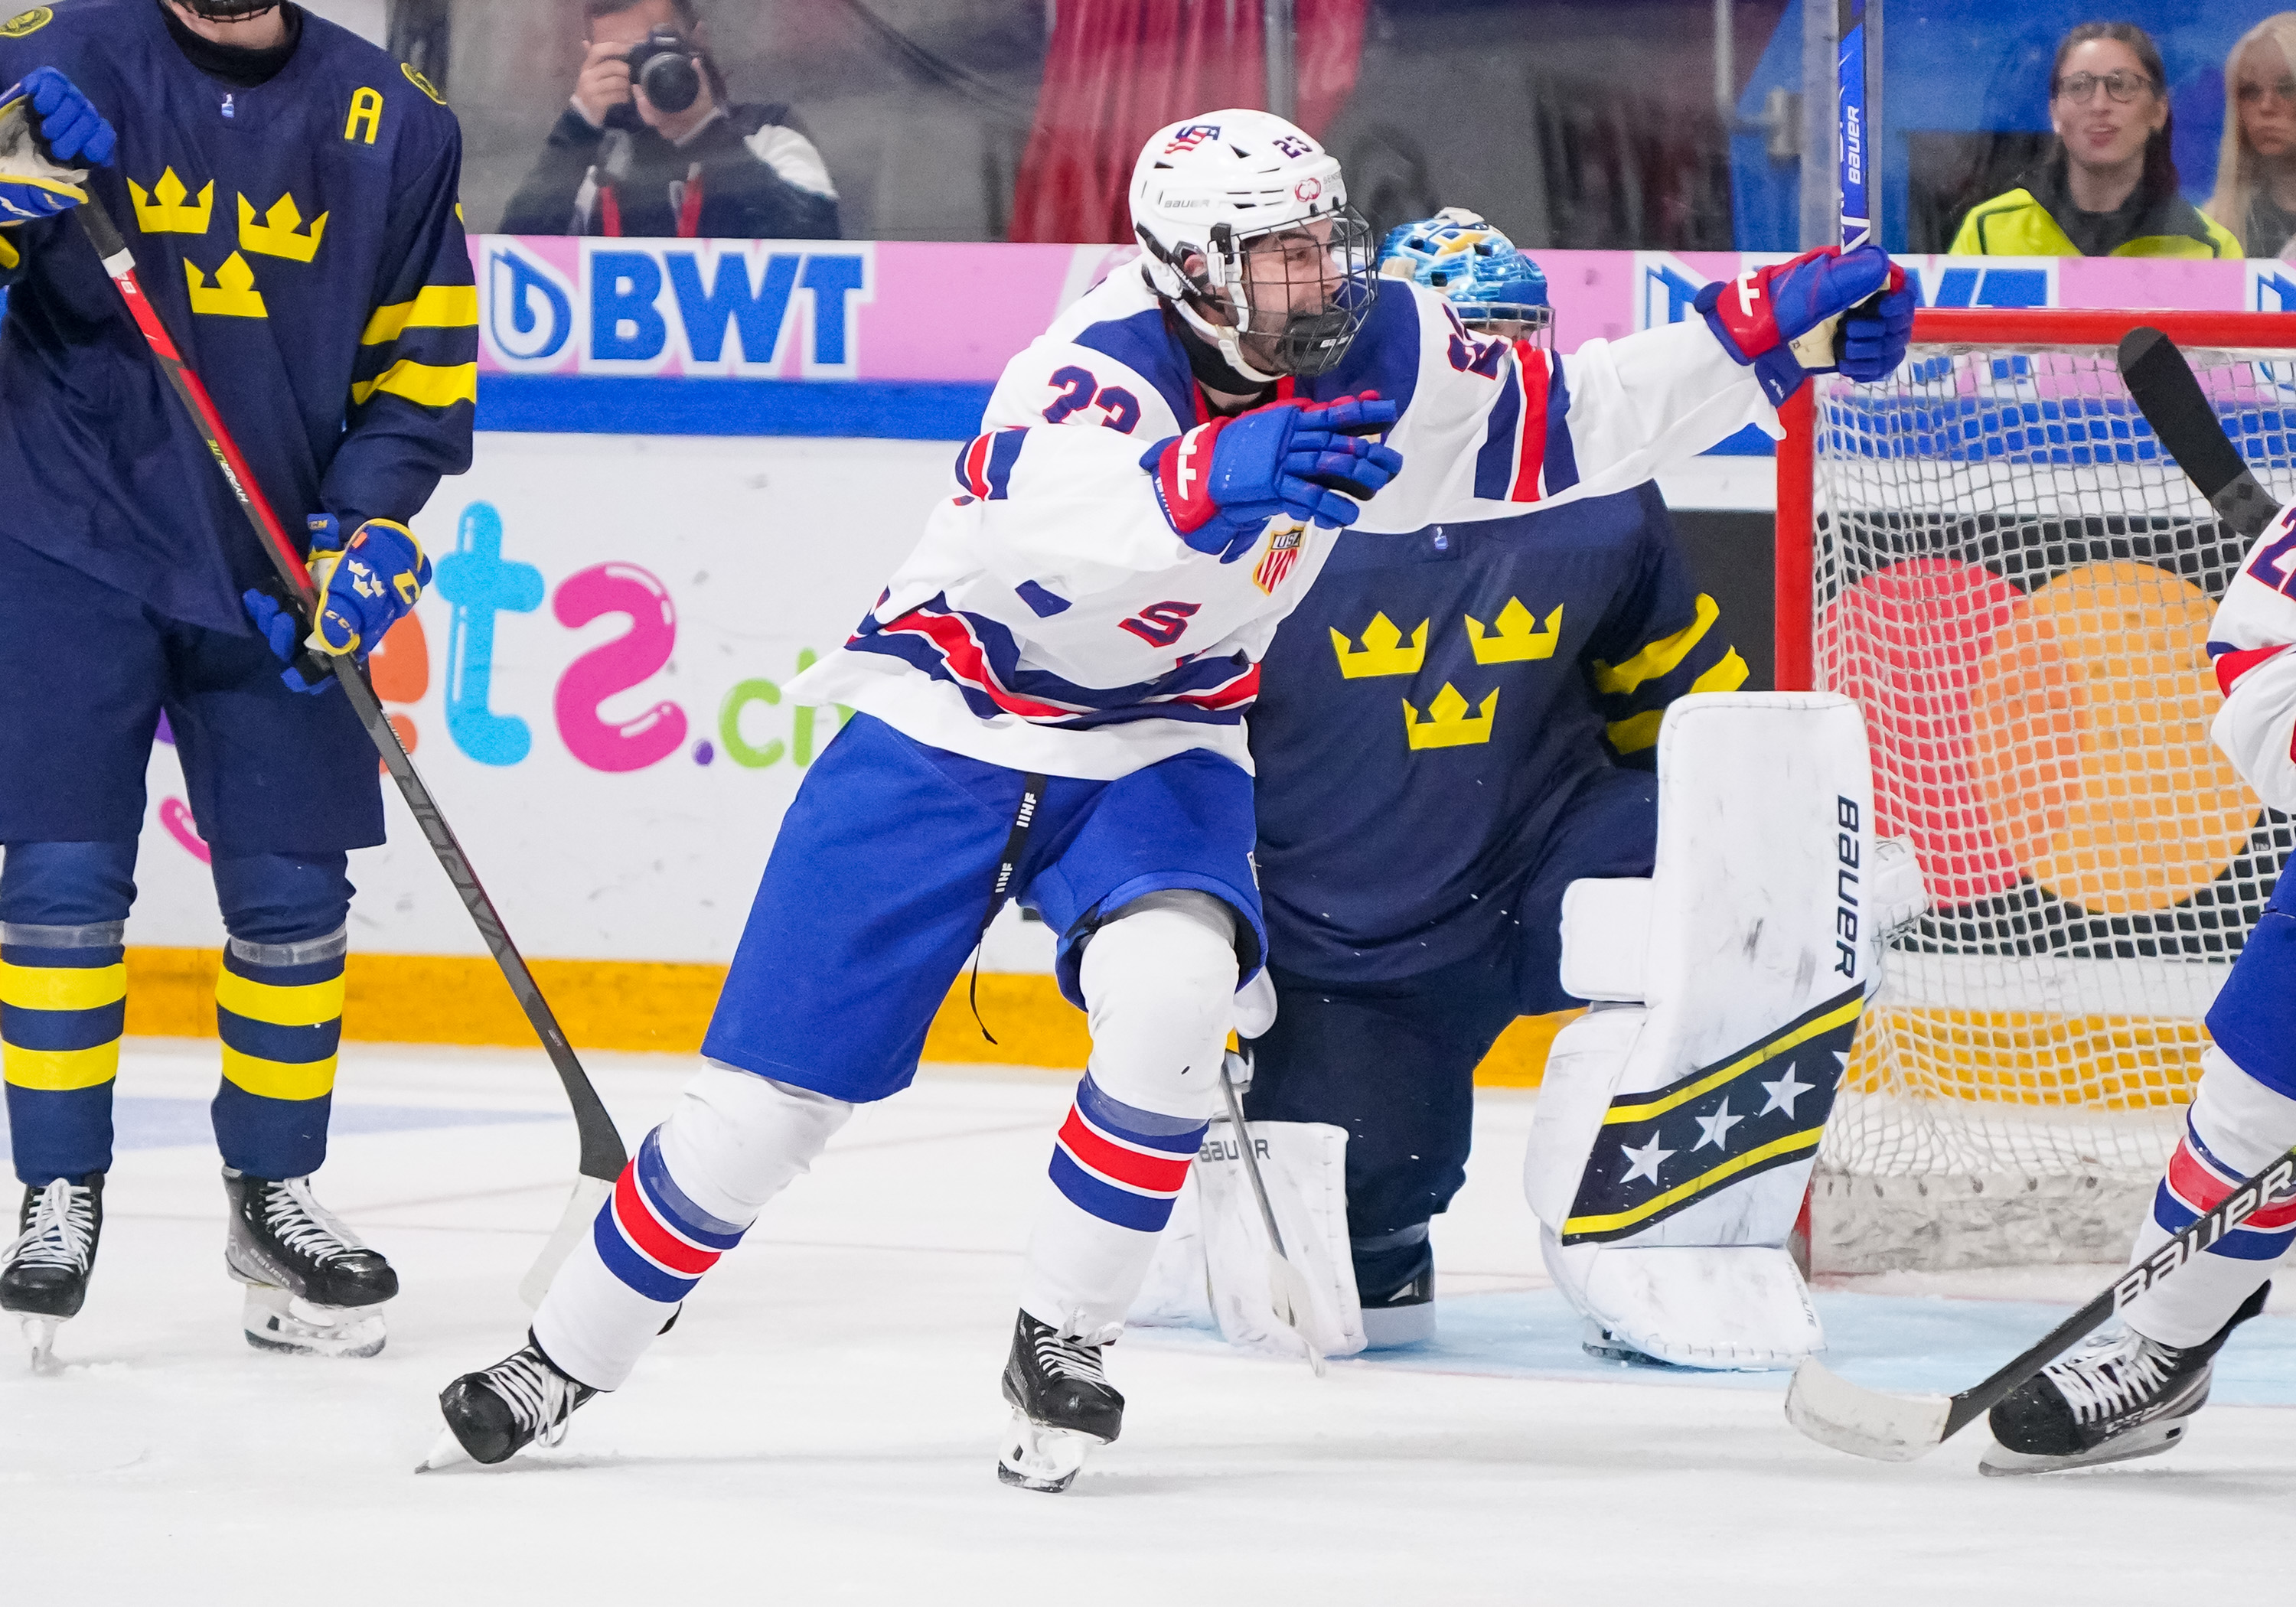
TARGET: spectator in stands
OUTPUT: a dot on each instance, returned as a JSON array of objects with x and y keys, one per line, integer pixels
[
  {"x": 2108, "y": 188},
  {"x": 2256, "y": 165},
  {"x": 619, "y": 162}
]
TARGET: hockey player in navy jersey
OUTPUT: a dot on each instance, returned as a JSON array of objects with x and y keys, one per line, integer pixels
[
  {"x": 1049, "y": 700},
  {"x": 1453, "y": 727},
  {"x": 289, "y": 192}
]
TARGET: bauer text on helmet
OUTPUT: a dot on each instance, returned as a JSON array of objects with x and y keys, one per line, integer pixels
[
  {"x": 1493, "y": 287},
  {"x": 1250, "y": 236}
]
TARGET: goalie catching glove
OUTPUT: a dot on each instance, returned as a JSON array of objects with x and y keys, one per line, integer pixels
[
  {"x": 1759, "y": 315},
  {"x": 45, "y": 125},
  {"x": 364, "y": 585},
  {"x": 1220, "y": 483}
]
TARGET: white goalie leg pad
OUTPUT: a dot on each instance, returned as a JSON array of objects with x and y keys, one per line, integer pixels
[
  {"x": 1676, "y": 1128},
  {"x": 1177, "y": 1292},
  {"x": 1303, "y": 1164}
]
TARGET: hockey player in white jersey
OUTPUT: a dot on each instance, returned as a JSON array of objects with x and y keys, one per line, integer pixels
[
  {"x": 2131, "y": 1391},
  {"x": 1049, "y": 703}
]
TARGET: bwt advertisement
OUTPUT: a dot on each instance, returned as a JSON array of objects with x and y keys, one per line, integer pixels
[{"x": 698, "y": 461}]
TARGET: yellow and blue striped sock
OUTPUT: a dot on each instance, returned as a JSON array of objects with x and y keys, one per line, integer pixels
[
  {"x": 63, "y": 1006},
  {"x": 279, "y": 1011}
]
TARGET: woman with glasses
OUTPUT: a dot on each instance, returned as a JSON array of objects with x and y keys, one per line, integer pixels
[
  {"x": 2108, "y": 188},
  {"x": 2256, "y": 166}
]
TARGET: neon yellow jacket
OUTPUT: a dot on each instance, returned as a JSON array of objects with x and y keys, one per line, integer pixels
[{"x": 2016, "y": 224}]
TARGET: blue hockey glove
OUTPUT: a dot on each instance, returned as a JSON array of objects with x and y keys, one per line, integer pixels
[
  {"x": 1220, "y": 483},
  {"x": 1762, "y": 314},
  {"x": 282, "y": 627},
  {"x": 366, "y": 584},
  {"x": 46, "y": 125}
]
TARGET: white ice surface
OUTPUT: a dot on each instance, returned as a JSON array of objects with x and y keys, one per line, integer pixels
[{"x": 820, "y": 1427}]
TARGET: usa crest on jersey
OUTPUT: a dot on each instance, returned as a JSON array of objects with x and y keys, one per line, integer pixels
[{"x": 1282, "y": 552}]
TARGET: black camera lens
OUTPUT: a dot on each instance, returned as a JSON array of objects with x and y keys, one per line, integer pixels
[{"x": 662, "y": 65}]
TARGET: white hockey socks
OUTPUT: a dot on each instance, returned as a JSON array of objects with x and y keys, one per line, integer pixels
[
  {"x": 2234, "y": 1129},
  {"x": 698, "y": 1181},
  {"x": 1160, "y": 983}
]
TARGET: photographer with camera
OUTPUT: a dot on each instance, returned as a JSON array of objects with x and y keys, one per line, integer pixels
[{"x": 651, "y": 146}]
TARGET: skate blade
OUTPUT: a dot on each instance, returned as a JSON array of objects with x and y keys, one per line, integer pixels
[
  {"x": 40, "y": 1339},
  {"x": 1037, "y": 1457},
  {"x": 279, "y": 1321},
  {"x": 445, "y": 1452},
  {"x": 2150, "y": 1440}
]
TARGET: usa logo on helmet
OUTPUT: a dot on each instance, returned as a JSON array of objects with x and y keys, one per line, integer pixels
[{"x": 1191, "y": 136}]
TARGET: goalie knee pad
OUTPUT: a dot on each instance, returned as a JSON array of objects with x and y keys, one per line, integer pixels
[{"x": 1679, "y": 1118}]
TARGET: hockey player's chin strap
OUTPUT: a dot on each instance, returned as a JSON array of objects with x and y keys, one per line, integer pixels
[{"x": 1215, "y": 354}]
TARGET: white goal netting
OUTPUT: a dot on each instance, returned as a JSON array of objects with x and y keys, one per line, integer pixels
[{"x": 2017, "y": 583}]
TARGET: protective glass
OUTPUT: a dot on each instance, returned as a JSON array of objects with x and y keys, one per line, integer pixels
[{"x": 2122, "y": 87}]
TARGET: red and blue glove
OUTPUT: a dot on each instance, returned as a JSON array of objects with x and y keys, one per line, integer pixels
[
  {"x": 50, "y": 136},
  {"x": 366, "y": 586},
  {"x": 1220, "y": 483},
  {"x": 1759, "y": 316}
]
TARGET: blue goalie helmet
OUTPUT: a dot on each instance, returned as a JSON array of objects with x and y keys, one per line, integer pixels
[{"x": 1472, "y": 265}]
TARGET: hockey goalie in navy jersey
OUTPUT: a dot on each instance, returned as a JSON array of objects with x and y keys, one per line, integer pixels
[
  {"x": 289, "y": 194},
  {"x": 1049, "y": 703},
  {"x": 1451, "y": 727},
  {"x": 2132, "y": 1390}
]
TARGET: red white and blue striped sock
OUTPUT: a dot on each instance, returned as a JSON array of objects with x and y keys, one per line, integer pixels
[
  {"x": 1116, "y": 1169},
  {"x": 2234, "y": 1129}
]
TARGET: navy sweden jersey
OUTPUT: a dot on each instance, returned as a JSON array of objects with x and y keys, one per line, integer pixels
[
  {"x": 301, "y": 239},
  {"x": 1427, "y": 712}
]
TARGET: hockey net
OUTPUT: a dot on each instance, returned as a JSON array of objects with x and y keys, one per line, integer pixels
[{"x": 1990, "y": 552}]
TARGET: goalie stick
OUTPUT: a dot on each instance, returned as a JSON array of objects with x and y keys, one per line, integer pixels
[
  {"x": 602, "y": 1157},
  {"x": 1287, "y": 1288},
  {"x": 1898, "y": 1427}
]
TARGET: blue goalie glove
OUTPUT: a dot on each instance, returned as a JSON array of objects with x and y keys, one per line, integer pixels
[
  {"x": 1220, "y": 483},
  {"x": 50, "y": 134},
  {"x": 1472, "y": 266}
]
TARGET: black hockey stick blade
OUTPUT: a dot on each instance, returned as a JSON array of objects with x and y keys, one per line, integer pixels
[
  {"x": 1903, "y": 1428},
  {"x": 2181, "y": 416}
]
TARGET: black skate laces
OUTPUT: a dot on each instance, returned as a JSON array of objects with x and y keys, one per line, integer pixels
[
  {"x": 538, "y": 1395},
  {"x": 302, "y": 1225},
  {"x": 61, "y": 1231},
  {"x": 2113, "y": 1374}
]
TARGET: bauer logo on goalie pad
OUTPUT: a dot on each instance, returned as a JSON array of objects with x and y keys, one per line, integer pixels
[{"x": 1762, "y": 1107}]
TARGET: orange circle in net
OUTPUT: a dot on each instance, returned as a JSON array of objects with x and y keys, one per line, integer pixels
[{"x": 2089, "y": 740}]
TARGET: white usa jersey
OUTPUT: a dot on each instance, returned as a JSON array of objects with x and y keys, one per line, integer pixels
[
  {"x": 1052, "y": 619},
  {"x": 2254, "y": 627}
]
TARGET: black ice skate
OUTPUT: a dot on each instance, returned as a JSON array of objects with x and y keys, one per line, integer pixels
[
  {"x": 311, "y": 1285},
  {"x": 1062, "y": 1405},
  {"x": 2121, "y": 1395},
  {"x": 522, "y": 1399},
  {"x": 44, "y": 1278}
]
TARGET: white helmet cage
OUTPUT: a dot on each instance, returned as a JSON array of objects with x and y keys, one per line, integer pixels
[{"x": 1237, "y": 184}]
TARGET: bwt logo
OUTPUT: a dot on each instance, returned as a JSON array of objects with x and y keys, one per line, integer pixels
[{"x": 707, "y": 308}]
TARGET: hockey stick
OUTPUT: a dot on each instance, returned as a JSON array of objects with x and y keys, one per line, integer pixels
[
  {"x": 1900, "y": 1428},
  {"x": 603, "y": 1156},
  {"x": 1895, "y": 1428},
  {"x": 1287, "y": 1288},
  {"x": 1822, "y": 347}
]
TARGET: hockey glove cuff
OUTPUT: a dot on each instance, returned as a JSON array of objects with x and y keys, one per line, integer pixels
[
  {"x": 366, "y": 585},
  {"x": 1220, "y": 483},
  {"x": 46, "y": 125}
]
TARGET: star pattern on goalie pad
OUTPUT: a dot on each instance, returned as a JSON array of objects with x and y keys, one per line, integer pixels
[{"x": 1684, "y": 1140}]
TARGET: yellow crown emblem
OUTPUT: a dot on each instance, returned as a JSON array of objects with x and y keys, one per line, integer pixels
[
  {"x": 1517, "y": 638},
  {"x": 233, "y": 295},
  {"x": 162, "y": 211},
  {"x": 275, "y": 235},
  {"x": 1383, "y": 652},
  {"x": 1448, "y": 723}
]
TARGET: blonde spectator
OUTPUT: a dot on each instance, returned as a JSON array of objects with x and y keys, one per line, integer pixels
[
  {"x": 2108, "y": 187},
  {"x": 2256, "y": 165}
]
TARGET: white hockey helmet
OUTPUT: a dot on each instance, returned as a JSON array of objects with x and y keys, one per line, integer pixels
[{"x": 1209, "y": 186}]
